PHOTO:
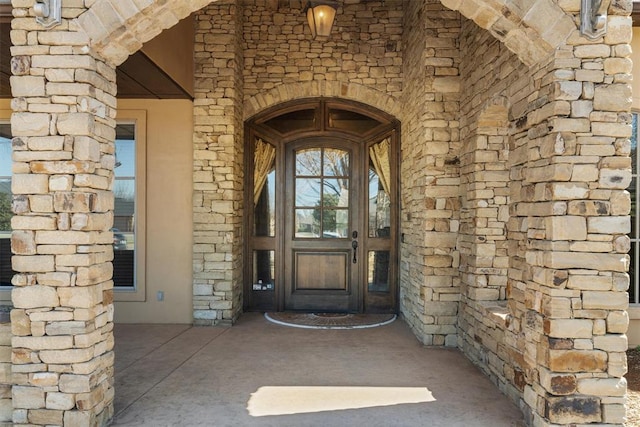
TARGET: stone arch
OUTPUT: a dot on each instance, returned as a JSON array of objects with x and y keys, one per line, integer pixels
[
  {"x": 118, "y": 28},
  {"x": 351, "y": 91},
  {"x": 523, "y": 27}
]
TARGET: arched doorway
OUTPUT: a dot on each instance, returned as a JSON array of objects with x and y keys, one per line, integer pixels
[{"x": 321, "y": 208}]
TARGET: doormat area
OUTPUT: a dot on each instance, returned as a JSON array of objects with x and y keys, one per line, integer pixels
[{"x": 330, "y": 320}]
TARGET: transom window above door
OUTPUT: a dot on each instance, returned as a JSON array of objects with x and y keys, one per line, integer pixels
[{"x": 324, "y": 116}]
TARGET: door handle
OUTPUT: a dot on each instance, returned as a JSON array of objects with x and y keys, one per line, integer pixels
[{"x": 354, "y": 245}]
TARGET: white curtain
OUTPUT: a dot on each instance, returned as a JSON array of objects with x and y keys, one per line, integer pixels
[
  {"x": 263, "y": 162},
  {"x": 379, "y": 154}
]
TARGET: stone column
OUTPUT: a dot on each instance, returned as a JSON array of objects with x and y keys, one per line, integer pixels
[
  {"x": 63, "y": 126},
  {"x": 218, "y": 165},
  {"x": 575, "y": 209},
  {"x": 430, "y": 289}
]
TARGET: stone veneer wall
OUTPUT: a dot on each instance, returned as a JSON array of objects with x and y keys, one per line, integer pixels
[
  {"x": 6, "y": 403},
  {"x": 498, "y": 90},
  {"x": 63, "y": 125},
  {"x": 429, "y": 283},
  {"x": 365, "y": 47},
  {"x": 218, "y": 165},
  {"x": 556, "y": 345}
]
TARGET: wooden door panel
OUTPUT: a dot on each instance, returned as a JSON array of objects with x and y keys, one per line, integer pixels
[
  {"x": 321, "y": 271},
  {"x": 321, "y": 212}
]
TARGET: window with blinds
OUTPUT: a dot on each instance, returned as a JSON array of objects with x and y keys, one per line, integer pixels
[{"x": 124, "y": 215}]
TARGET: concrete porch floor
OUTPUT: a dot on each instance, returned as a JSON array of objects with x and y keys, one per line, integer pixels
[{"x": 261, "y": 374}]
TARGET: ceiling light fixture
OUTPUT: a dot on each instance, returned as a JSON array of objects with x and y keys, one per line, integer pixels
[{"x": 320, "y": 14}]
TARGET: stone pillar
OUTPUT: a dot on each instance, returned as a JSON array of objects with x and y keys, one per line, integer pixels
[
  {"x": 429, "y": 288},
  {"x": 63, "y": 126},
  {"x": 218, "y": 165},
  {"x": 575, "y": 210}
]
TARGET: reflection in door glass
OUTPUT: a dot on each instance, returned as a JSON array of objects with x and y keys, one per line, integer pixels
[
  {"x": 307, "y": 223},
  {"x": 336, "y": 162},
  {"x": 335, "y": 223},
  {"x": 264, "y": 191},
  {"x": 124, "y": 212},
  {"x": 378, "y": 271},
  {"x": 308, "y": 162},
  {"x": 335, "y": 218},
  {"x": 263, "y": 270},
  {"x": 308, "y": 192},
  {"x": 379, "y": 189},
  {"x": 322, "y": 193}
]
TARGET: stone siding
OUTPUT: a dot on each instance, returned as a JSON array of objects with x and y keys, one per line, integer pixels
[
  {"x": 63, "y": 152},
  {"x": 429, "y": 283},
  {"x": 235, "y": 63},
  {"x": 365, "y": 47},
  {"x": 515, "y": 160},
  {"x": 218, "y": 165},
  {"x": 496, "y": 89},
  {"x": 6, "y": 381},
  {"x": 555, "y": 340}
]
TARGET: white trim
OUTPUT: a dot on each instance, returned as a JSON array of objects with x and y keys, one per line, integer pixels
[{"x": 139, "y": 118}]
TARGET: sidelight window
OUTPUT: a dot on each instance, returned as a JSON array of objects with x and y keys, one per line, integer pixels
[
  {"x": 264, "y": 192},
  {"x": 129, "y": 224},
  {"x": 6, "y": 272},
  {"x": 124, "y": 215}
]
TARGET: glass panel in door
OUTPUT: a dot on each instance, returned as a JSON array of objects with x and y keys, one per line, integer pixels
[{"x": 322, "y": 193}]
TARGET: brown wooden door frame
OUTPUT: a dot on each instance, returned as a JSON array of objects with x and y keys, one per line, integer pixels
[
  {"x": 320, "y": 131},
  {"x": 321, "y": 250}
]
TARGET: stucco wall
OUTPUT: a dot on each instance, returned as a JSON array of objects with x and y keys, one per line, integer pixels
[{"x": 169, "y": 126}]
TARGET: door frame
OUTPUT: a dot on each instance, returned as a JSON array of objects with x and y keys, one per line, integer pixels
[
  {"x": 352, "y": 294},
  {"x": 262, "y": 126}
]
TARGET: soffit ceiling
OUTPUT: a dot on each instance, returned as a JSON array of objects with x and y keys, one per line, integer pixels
[{"x": 137, "y": 77}]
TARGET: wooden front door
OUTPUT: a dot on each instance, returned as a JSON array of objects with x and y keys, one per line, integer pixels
[
  {"x": 322, "y": 226},
  {"x": 321, "y": 207}
]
